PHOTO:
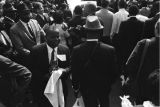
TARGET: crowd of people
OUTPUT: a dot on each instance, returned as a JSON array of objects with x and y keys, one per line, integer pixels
[{"x": 94, "y": 44}]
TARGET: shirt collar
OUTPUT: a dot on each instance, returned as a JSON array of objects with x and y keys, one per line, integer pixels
[
  {"x": 23, "y": 22},
  {"x": 92, "y": 40},
  {"x": 51, "y": 49},
  {"x": 122, "y": 9}
]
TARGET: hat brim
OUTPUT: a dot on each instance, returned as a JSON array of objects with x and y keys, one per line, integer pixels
[{"x": 101, "y": 27}]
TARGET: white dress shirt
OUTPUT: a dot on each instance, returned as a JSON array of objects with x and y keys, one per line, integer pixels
[
  {"x": 106, "y": 17},
  {"x": 50, "y": 52},
  {"x": 118, "y": 17},
  {"x": 24, "y": 24}
]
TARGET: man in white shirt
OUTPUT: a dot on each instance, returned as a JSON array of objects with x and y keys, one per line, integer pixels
[
  {"x": 106, "y": 17},
  {"x": 45, "y": 58},
  {"x": 118, "y": 17}
]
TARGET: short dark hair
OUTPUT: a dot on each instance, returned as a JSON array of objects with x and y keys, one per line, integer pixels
[
  {"x": 122, "y": 3},
  {"x": 105, "y": 3},
  {"x": 36, "y": 5},
  {"x": 58, "y": 17},
  {"x": 78, "y": 10},
  {"x": 133, "y": 10},
  {"x": 144, "y": 3}
]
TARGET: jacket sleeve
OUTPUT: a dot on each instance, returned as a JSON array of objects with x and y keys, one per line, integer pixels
[
  {"x": 17, "y": 71},
  {"x": 133, "y": 61},
  {"x": 18, "y": 43}
]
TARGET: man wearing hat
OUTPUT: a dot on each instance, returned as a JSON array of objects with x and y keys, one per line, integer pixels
[
  {"x": 26, "y": 33},
  {"x": 6, "y": 46},
  {"x": 93, "y": 66},
  {"x": 9, "y": 13}
]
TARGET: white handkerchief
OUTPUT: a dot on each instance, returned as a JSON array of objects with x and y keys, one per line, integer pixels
[
  {"x": 54, "y": 89},
  {"x": 61, "y": 57}
]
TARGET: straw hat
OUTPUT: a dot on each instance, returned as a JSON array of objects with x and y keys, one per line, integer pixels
[{"x": 93, "y": 23}]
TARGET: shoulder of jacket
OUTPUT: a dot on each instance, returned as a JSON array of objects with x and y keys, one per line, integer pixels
[
  {"x": 63, "y": 47},
  {"x": 106, "y": 46},
  {"x": 15, "y": 26}
]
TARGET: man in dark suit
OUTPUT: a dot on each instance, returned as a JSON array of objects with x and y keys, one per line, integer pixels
[
  {"x": 42, "y": 57},
  {"x": 76, "y": 33},
  {"x": 93, "y": 66},
  {"x": 149, "y": 25},
  {"x": 26, "y": 32},
  {"x": 9, "y": 13},
  {"x": 77, "y": 19},
  {"x": 130, "y": 32},
  {"x": 14, "y": 80},
  {"x": 148, "y": 88}
]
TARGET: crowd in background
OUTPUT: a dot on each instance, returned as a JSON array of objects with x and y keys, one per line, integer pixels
[{"x": 25, "y": 26}]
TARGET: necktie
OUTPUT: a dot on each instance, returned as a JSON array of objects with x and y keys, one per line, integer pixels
[
  {"x": 31, "y": 32},
  {"x": 53, "y": 62}
]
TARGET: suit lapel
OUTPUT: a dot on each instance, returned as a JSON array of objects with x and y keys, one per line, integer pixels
[
  {"x": 7, "y": 37},
  {"x": 46, "y": 54},
  {"x": 23, "y": 28}
]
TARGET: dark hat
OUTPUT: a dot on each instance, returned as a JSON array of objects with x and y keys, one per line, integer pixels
[
  {"x": 8, "y": 7},
  {"x": 93, "y": 23},
  {"x": 22, "y": 7}
]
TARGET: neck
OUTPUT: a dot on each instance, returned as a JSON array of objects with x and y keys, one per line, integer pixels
[{"x": 92, "y": 36}]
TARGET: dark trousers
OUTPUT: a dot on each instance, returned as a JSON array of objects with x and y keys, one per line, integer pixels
[{"x": 95, "y": 96}]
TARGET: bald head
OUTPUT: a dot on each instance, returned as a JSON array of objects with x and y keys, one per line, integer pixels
[{"x": 52, "y": 36}]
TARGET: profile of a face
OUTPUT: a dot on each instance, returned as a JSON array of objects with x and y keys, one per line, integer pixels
[{"x": 25, "y": 16}]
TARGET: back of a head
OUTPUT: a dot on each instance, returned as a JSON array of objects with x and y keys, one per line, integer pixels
[
  {"x": 144, "y": 3},
  {"x": 105, "y": 3},
  {"x": 133, "y": 10},
  {"x": 22, "y": 7},
  {"x": 37, "y": 5},
  {"x": 122, "y": 4},
  {"x": 155, "y": 9},
  {"x": 89, "y": 9},
  {"x": 93, "y": 26},
  {"x": 78, "y": 10},
  {"x": 58, "y": 17}
]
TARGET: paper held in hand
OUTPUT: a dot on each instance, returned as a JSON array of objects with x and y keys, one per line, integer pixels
[{"x": 54, "y": 89}]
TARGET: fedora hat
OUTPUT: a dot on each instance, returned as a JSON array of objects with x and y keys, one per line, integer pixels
[
  {"x": 22, "y": 7},
  {"x": 93, "y": 23},
  {"x": 8, "y": 7}
]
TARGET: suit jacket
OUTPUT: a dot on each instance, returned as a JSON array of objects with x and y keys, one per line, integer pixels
[
  {"x": 149, "y": 65},
  {"x": 21, "y": 37},
  {"x": 42, "y": 20},
  {"x": 130, "y": 32},
  {"x": 149, "y": 27},
  {"x": 6, "y": 46},
  {"x": 8, "y": 23},
  {"x": 76, "y": 20},
  {"x": 100, "y": 72},
  {"x": 39, "y": 66},
  {"x": 12, "y": 71}
]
